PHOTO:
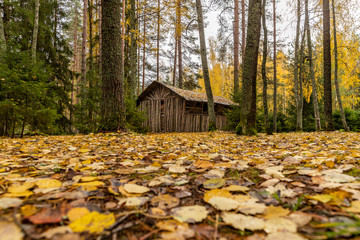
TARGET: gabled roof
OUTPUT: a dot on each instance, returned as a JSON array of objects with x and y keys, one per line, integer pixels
[{"x": 186, "y": 94}]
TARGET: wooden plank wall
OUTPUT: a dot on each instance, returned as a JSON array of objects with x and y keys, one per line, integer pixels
[{"x": 175, "y": 118}]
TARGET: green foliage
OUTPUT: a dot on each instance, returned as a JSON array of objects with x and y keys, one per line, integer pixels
[
  {"x": 26, "y": 102},
  {"x": 352, "y": 119},
  {"x": 134, "y": 117}
]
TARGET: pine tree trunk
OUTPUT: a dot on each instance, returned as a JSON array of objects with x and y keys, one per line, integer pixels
[
  {"x": 83, "y": 46},
  {"x": 236, "y": 47},
  {"x": 131, "y": 81},
  {"x": 327, "y": 67},
  {"x": 158, "y": 43},
  {"x": 91, "y": 60},
  {"x": 181, "y": 80},
  {"x": 123, "y": 23},
  {"x": 35, "y": 31},
  {"x": 75, "y": 64},
  {"x": 299, "y": 116},
  {"x": 301, "y": 80},
  {"x": 113, "y": 104},
  {"x": 100, "y": 35},
  {"x": 210, "y": 99},
  {"x": 263, "y": 69},
  {"x": 243, "y": 38},
  {"x": 144, "y": 48},
  {"x": 312, "y": 72},
  {"x": 175, "y": 59},
  {"x": 338, "y": 96},
  {"x": 275, "y": 72},
  {"x": 248, "y": 96},
  {"x": 2, "y": 35}
]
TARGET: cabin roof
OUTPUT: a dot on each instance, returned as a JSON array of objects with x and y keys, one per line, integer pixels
[{"x": 186, "y": 94}]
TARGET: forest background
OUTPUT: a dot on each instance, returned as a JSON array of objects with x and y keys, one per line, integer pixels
[{"x": 51, "y": 61}]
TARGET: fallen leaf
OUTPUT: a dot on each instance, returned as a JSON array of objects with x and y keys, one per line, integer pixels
[
  {"x": 10, "y": 202},
  {"x": 76, "y": 213},
  {"x": 280, "y": 224},
  {"x": 48, "y": 183},
  {"x": 28, "y": 210},
  {"x": 242, "y": 222},
  {"x": 137, "y": 189},
  {"x": 190, "y": 214},
  {"x": 223, "y": 204},
  {"x": 133, "y": 201},
  {"x": 165, "y": 201},
  {"x": 216, "y": 193},
  {"x": 93, "y": 222},
  {"x": 10, "y": 231},
  {"x": 276, "y": 212},
  {"x": 236, "y": 188},
  {"x": 214, "y": 183},
  {"x": 49, "y": 234},
  {"x": 284, "y": 235}
]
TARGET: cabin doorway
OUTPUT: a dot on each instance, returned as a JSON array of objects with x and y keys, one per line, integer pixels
[{"x": 162, "y": 116}]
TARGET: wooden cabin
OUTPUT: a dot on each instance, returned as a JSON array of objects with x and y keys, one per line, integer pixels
[{"x": 171, "y": 109}]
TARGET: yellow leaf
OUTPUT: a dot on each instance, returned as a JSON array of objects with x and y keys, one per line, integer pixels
[
  {"x": 93, "y": 222},
  {"x": 48, "y": 183},
  {"x": 18, "y": 194},
  {"x": 216, "y": 193},
  {"x": 355, "y": 207},
  {"x": 324, "y": 198},
  {"x": 28, "y": 210},
  {"x": 275, "y": 212},
  {"x": 330, "y": 164},
  {"x": 236, "y": 188},
  {"x": 88, "y": 179},
  {"x": 20, "y": 188},
  {"x": 171, "y": 225},
  {"x": 84, "y": 150},
  {"x": 86, "y": 162},
  {"x": 76, "y": 213},
  {"x": 89, "y": 186}
]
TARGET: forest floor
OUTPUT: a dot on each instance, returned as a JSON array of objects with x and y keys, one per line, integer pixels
[{"x": 181, "y": 186}]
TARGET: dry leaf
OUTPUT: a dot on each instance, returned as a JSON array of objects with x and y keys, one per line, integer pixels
[
  {"x": 243, "y": 222},
  {"x": 223, "y": 204},
  {"x": 279, "y": 224},
  {"x": 190, "y": 214},
  {"x": 10, "y": 231},
  {"x": 137, "y": 189},
  {"x": 93, "y": 222}
]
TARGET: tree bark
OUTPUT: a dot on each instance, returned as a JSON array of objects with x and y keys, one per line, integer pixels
[
  {"x": 158, "y": 43},
  {"x": 243, "y": 39},
  {"x": 327, "y": 67},
  {"x": 75, "y": 64},
  {"x": 35, "y": 31},
  {"x": 131, "y": 81},
  {"x": 275, "y": 72},
  {"x": 210, "y": 99},
  {"x": 100, "y": 35},
  {"x": 299, "y": 116},
  {"x": 301, "y": 79},
  {"x": 248, "y": 96},
  {"x": 179, "y": 29},
  {"x": 83, "y": 46},
  {"x": 312, "y": 72},
  {"x": 263, "y": 69},
  {"x": 236, "y": 47},
  {"x": 2, "y": 35},
  {"x": 123, "y": 23},
  {"x": 113, "y": 104},
  {"x": 175, "y": 59},
  {"x": 338, "y": 96},
  {"x": 144, "y": 48}
]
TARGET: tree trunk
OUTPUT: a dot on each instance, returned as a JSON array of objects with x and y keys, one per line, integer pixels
[
  {"x": 113, "y": 104},
  {"x": 91, "y": 60},
  {"x": 75, "y": 64},
  {"x": 301, "y": 80},
  {"x": 131, "y": 83},
  {"x": 312, "y": 72},
  {"x": 236, "y": 47},
  {"x": 179, "y": 29},
  {"x": 100, "y": 35},
  {"x": 327, "y": 67},
  {"x": 83, "y": 46},
  {"x": 158, "y": 43},
  {"x": 338, "y": 96},
  {"x": 123, "y": 23},
  {"x": 35, "y": 31},
  {"x": 210, "y": 99},
  {"x": 263, "y": 69},
  {"x": 175, "y": 59},
  {"x": 275, "y": 72},
  {"x": 243, "y": 40},
  {"x": 299, "y": 116},
  {"x": 248, "y": 96},
  {"x": 144, "y": 48},
  {"x": 2, "y": 35}
]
